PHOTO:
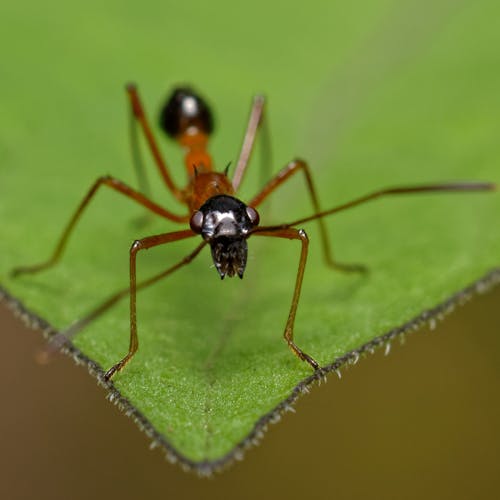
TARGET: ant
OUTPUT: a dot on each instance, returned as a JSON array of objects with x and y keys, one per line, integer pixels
[{"x": 213, "y": 211}]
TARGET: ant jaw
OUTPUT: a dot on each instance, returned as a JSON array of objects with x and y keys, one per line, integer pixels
[
  {"x": 222, "y": 275},
  {"x": 229, "y": 256}
]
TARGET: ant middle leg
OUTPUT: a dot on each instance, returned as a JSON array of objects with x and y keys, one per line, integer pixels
[
  {"x": 283, "y": 175},
  {"x": 114, "y": 184},
  {"x": 58, "y": 340}
]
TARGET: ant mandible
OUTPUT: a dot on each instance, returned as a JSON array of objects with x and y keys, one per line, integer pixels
[{"x": 223, "y": 221}]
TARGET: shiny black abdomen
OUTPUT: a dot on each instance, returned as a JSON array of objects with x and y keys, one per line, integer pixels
[{"x": 184, "y": 109}]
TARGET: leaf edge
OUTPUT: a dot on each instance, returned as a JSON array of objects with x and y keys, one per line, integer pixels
[{"x": 207, "y": 468}]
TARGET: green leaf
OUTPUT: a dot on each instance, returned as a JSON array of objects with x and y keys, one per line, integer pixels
[{"x": 372, "y": 95}]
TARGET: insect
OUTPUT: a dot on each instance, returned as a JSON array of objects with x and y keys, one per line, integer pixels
[{"x": 213, "y": 211}]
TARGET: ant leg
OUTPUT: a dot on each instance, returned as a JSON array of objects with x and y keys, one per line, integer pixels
[
  {"x": 287, "y": 231},
  {"x": 266, "y": 152},
  {"x": 140, "y": 115},
  {"x": 143, "y": 244},
  {"x": 256, "y": 114},
  {"x": 283, "y": 175},
  {"x": 59, "y": 339},
  {"x": 293, "y": 234},
  {"x": 115, "y": 184},
  {"x": 140, "y": 171}
]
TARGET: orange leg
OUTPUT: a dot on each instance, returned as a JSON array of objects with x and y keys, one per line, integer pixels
[
  {"x": 266, "y": 151},
  {"x": 140, "y": 115},
  {"x": 140, "y": 171},
  {"x": 256, "y": 115},
  {"x": 287, "y": 231},
  {"x": 143, "y": 244},
  {"x": 115, "y": 184},
  {"x": 58, "y": 340},
  {"x": 282, "y": 176},
  {"x": 293, "y": 234}
]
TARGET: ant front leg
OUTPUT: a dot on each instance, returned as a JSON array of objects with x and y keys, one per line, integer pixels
[
  {"x": 283, "y": 175},
  {"x": 57, "y": 341},
  {"x": 114, "y": 184},
  {"x": 143, "y": 244},
  {"x": 293, "y": 234}
]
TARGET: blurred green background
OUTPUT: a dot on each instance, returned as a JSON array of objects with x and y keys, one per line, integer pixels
[{"x": 420, "y": 423}]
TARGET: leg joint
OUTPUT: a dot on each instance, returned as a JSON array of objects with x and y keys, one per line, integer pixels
[
  {"x": 303, "y": 235},
  {"x": 299, "y": 163},
  {"x": 104, "y": 179},
  {"x": 136, "y": 246}
]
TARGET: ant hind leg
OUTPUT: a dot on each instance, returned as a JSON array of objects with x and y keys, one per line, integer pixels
[{"x": 283, "y": 175}]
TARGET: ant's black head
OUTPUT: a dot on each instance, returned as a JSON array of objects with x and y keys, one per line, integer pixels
[
  {"x": 226, "y": 222},
  {"x": 184, "y": 109}
]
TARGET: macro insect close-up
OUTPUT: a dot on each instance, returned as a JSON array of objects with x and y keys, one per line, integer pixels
[
  {"x": 250, "y": 242},
  {"x": 272, "y": 258},
  {"x": 224, "y": 222}
]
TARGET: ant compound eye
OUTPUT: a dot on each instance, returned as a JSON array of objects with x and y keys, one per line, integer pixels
[
  {"x": 196, "y": 222},
  {"x": 253, "y": 215}
]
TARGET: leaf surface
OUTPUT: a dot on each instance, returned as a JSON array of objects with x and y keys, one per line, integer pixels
[{"x": 401, "y": 94}]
